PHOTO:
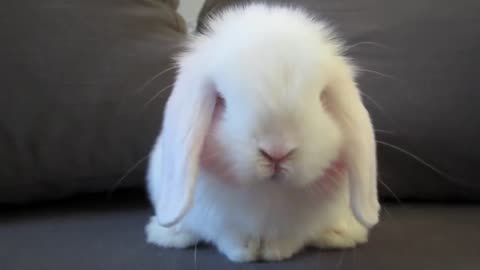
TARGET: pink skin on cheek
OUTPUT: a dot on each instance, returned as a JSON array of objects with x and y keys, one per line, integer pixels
[
  {"x": 213, "y": 160},
  {"x": 212, "y": 157},
  {"x": 331, "y": 179}
]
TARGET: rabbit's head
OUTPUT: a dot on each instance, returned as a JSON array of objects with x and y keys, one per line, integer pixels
[{"x": 265, "y": 95}]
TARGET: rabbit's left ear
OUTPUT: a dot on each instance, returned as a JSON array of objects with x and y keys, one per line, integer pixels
[
  {"x": 175, "y": 157},
  {"x": 345, "y": 103}
]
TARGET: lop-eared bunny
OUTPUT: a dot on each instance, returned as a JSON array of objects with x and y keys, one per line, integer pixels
[{"x": 266, "y": 146}]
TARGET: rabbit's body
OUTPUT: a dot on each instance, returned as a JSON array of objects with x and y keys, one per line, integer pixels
[{"x": 266, "y": 146}]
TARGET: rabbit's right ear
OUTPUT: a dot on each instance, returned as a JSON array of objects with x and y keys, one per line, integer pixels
[
  {"x": 175, "y": 158},
  {"x": 360, "y": 149}
]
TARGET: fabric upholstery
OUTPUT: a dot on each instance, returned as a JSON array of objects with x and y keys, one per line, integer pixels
[
  {"x": 109, "y": 234},
  {"x": 74, "y": 116}
]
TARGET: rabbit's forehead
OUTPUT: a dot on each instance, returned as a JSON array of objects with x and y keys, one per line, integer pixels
[
  {"x": 273, "y": 59},
  {"x": 274, "y": 63},
  {"x": 270, "y": 72}
]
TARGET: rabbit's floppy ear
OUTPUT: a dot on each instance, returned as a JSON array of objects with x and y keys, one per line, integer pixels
[
  {"x": 344, "y": 100},
  {"x": 175, "y": 157}
]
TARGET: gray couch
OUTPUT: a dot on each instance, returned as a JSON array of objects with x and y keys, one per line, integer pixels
[{"x": 79, "y": 113}]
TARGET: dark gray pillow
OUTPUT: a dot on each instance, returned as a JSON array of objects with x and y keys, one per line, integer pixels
[
  {"x": 421, "y": 80},
  {"x": 72, "y": 115}
]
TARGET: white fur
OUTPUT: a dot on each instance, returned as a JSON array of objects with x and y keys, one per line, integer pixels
[
  {"x": 264, "y": 221},
  {"x": 271, "y": 65}
]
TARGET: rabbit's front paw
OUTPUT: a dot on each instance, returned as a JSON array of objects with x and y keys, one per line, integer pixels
[
  {"x": 244, "y": 250},
  {"x": 342, "y": 236},
  {"x": 168, "y": 237},
  {"x": 277, "y": 250}
]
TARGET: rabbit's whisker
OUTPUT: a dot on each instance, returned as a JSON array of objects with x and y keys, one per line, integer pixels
[
  {"x": 373, "y": 101},
  {"x": 378, "y": 73},
  {"x": 389, "y": 190},
  {"x": 440, "y": 172},
  {"x": 156, "y": 76},
  {"x": 195, "y": 256},
  {"x": 127, "y": 173},
  {"x": 367, "y": 43},
  {"x": 340, "y": 261},
  {"x": 385, "y": 131},
  {"x": 158, "y": 94}
]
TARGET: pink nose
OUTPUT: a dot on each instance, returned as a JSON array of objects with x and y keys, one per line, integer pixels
[{"x": 276, "y": 155}]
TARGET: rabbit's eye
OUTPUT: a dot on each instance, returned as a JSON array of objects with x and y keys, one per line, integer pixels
[
  {"x": 219, "y": 108},
  {"x": 324, "y": 100},
  {"x": 219, "y": 104},
  {"x": 323, "y": 97},
  {"x": 220, "y": 101}
]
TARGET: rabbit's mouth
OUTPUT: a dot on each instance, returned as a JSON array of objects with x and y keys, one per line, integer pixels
[{"x": 329, "y": 179}]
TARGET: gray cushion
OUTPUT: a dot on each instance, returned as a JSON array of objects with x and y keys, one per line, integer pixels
[
  {"x": 72, "y": 117},
  {"x": 98, "y": 234},
  {"x": 420, "y": 79}
]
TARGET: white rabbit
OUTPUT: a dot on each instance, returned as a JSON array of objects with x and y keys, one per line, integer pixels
[{"x": 266, "y": 146}]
